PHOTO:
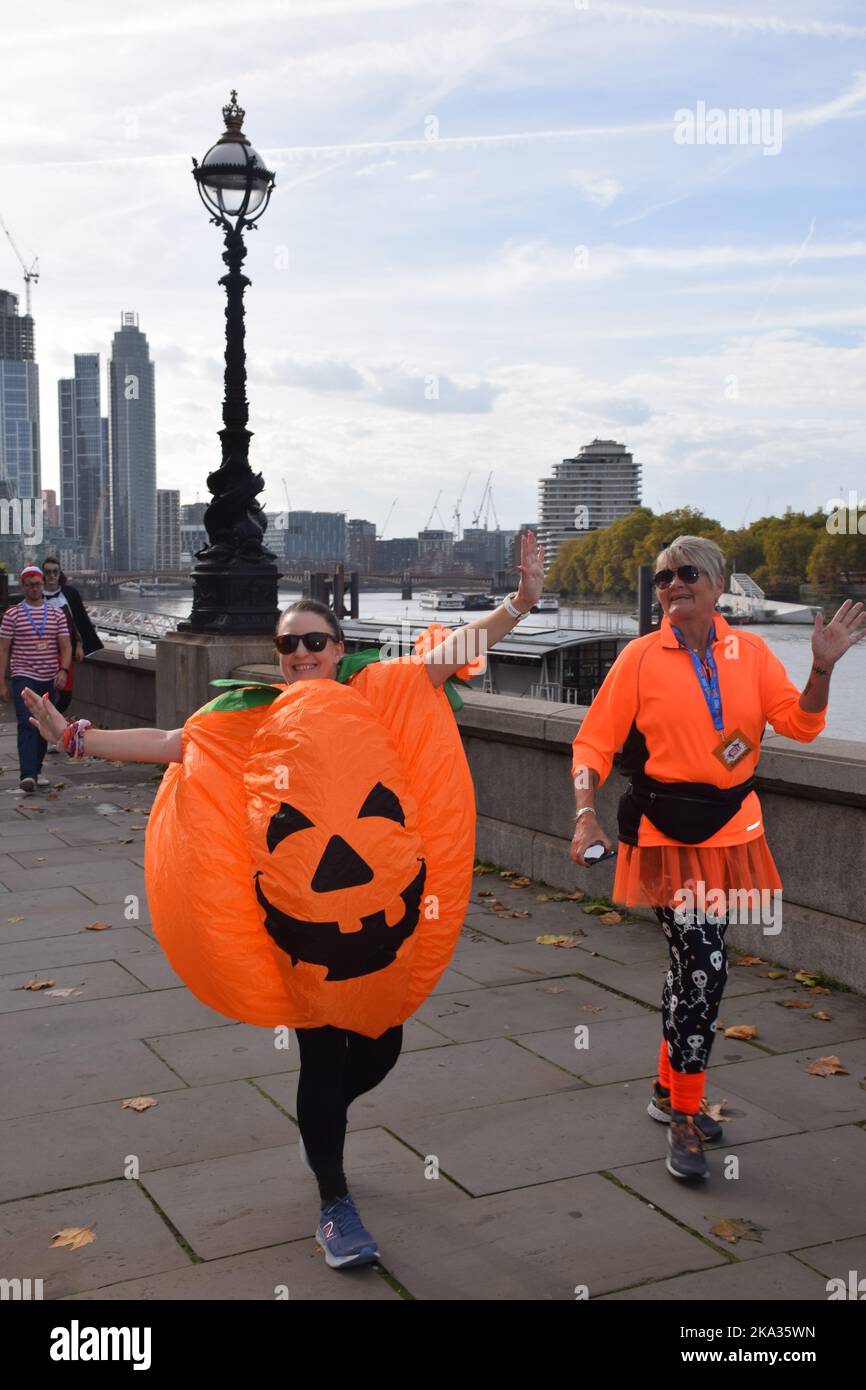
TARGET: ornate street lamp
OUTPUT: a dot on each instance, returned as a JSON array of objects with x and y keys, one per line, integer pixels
[{"x": 235, "y": 580}]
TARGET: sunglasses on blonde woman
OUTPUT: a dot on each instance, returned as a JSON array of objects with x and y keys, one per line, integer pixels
[{"x": 689, "y": 574}]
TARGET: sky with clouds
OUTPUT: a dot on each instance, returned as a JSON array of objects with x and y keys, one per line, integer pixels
[{"x": 490, "y": 241}]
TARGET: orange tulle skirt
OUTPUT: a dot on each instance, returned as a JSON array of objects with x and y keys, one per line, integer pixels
[{"x": 650, "y": 875}]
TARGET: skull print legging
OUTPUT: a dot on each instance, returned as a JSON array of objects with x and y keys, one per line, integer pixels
[{"x": 693, "y": 987}]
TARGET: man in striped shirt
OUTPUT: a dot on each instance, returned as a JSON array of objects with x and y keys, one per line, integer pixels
[{"x": 38, "y": 634}]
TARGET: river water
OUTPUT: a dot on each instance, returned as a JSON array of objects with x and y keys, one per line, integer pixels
[{"x": 846, "y": 717}]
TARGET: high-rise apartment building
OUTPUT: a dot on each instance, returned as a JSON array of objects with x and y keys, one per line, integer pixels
[
  {"x": 167, "y": 529},
  {"x": 598, "y": 486}
]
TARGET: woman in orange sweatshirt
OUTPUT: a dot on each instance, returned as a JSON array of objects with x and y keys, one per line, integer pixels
[{"x": 688, "y": 705}]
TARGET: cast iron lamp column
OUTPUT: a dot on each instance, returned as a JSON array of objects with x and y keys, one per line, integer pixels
[{"x": 235, "y": 580}]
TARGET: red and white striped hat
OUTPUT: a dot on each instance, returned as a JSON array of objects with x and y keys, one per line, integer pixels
[{"x": 29, "y": 570}]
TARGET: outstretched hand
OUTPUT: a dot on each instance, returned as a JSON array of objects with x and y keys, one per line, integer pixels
[
  {"x": 831, "y": 641},
  {"x": 531, "y": 570},
  {"x": 45, "y": 716}
]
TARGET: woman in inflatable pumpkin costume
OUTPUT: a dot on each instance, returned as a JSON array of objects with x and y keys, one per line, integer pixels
[{"x": 309, "y": 854}]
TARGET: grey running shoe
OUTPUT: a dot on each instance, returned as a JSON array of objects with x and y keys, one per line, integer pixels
[{"x": 685, "y": 1156}]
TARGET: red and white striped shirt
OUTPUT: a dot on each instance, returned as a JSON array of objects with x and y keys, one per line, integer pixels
[{"x": 27, "y": 657}]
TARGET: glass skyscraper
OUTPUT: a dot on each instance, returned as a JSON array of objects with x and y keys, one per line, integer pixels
[
  {"x": 132, "y": 429},
  {"x": 85, "y": 488},
  {"x": 19, "y": 401}
]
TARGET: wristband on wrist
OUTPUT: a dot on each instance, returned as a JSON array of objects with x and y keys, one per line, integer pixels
[
  {"x": 72, "y": 738},
  {"x": 509, "y": 607},
  {"x": 582, "y": 812}
]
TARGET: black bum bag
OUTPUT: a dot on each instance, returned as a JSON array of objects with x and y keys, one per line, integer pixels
[{"x": 687, "y": 811}]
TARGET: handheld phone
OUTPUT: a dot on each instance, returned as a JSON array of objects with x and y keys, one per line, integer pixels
[{"x": 595, "y": 853}]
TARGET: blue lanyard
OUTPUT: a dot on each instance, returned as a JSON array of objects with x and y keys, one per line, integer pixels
[
  {"x": 38, "y": 630},
  {"x": 709, "y": 685}
]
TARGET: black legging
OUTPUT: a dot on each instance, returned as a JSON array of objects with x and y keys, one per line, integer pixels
[{"x": 336, "y": 1067}]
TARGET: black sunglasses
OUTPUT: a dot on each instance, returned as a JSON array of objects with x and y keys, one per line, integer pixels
[
  {"x": 287, "y": 642},
  {"x": 689, "y": 574}
]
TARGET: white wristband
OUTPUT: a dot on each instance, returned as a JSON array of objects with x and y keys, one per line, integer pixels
[
  {"x": 511, "y": 610},
  {"x": 582, "y": 812}
]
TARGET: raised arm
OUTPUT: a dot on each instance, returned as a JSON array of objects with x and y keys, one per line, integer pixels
[
  {"x": 116, "y": 745},
  {"x": 473, "y": 640}
]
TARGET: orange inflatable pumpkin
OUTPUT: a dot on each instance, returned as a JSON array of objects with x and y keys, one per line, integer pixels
[{"x": 309, "y": 861}]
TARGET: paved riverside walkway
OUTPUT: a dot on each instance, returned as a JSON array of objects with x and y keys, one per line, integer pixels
[{"x": 551, "y": 1175}]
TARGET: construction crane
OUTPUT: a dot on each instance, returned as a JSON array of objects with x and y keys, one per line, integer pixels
[
  {"x": 435, "y": 508},
  {"x": 476, "y": 518},
  {"x": 381, "y": 534},
  {"x": 456, "y": 512},
  {"x": 29, "y": 275}
]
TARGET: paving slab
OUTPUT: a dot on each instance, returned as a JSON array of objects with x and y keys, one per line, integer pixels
[
  {"x": 72, "y": 915},
  {"x": 493, "y": 963},
  {"x": 92, "y": 1142},
  {"x": 523, "y": 1008},
  {"x": 645, "y": 980},
  {"x": 228, "y": 1205},
  {"x": 116, "y": 891},
  {"x": 538, "y": 1243},
  {"x": 124, "y": 943},
  {"x": 97, "y": 870},
  {"x": 620, "y": 1049},
  {"x": 43, "y": 904},
  {"x": 785, "y": 1029},
  {"x": 31, "y": 1034},
  {"x": 783, "y": 1085},
  {"x": 616, "y": 1049},
  {"x": 132, "y": 1240},
  {"x": 417, "y": 1035},
  {"x": 240, "y": 1050},
  {"x": 765, "y": 1279},
  {"x": 837, "y": 1258},
  {"x": 296, "y": 1271},
  {"x": 439, "y": 1080},
  {"x": 802, "y": 1188},
  {"x": 50, "y": 855},
  {"x": 88, "y": 980},
  {"x": 519, "y": 1143},
  {"x": 153, "y": 969},
  {"x": 67, "y": 1074}
]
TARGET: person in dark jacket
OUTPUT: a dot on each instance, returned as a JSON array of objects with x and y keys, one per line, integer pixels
[{"x": 60, "y": 593}]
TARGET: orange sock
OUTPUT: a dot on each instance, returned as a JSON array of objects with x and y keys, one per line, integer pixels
[
  {"x": 687, "y": 1091},
  {"x": 664, "y": 1066}
]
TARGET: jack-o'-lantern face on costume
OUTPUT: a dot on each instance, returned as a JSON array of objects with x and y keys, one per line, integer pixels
[
  {"x": 343, "y": 870},
  {"x": 338, "y": 863},
  {"x": 309, "y": 861}
]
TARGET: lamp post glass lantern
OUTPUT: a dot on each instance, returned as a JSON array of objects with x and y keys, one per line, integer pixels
[{"x": 235, "y": 580}]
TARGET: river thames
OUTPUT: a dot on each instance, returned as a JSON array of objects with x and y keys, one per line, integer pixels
[{"x": 846, "y": 717}]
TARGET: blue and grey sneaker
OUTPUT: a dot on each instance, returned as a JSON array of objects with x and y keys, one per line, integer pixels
[
  {"x": 343, "y": 1237},
  {"x": 685, "y": 1156}
]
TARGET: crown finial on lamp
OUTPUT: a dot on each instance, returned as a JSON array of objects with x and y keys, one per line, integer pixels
[{"x": 233, "y": 115}]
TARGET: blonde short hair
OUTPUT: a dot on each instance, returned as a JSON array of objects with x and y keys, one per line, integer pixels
[{"x": 693, "y": 550}]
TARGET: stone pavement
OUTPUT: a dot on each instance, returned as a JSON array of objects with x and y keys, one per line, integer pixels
[{"x": 551, "y": 1176}]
